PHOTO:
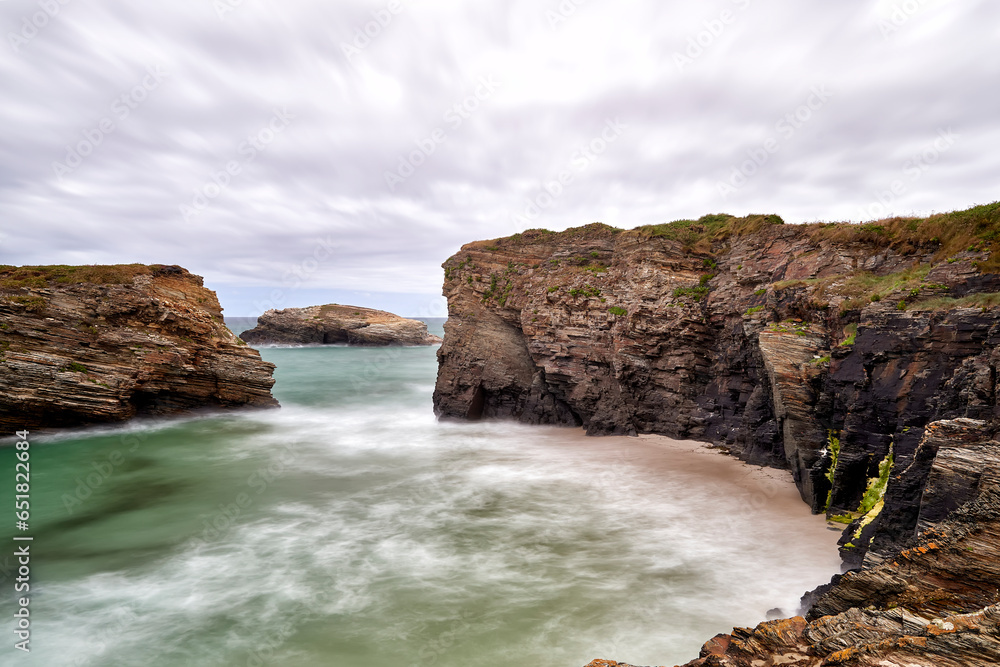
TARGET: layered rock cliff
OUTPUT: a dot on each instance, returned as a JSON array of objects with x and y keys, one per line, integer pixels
[
  {"x": 935, "y": 603},
  {"x": 92, "y": 344},
  {"x": 828, "y": 349},
  {"x": 335, "y": 324}
]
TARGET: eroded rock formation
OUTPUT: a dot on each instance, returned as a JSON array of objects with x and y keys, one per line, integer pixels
[
  {"x": 335, "y": 324},
  {"x": 828, "y": 349},
  {"x": 84, "y": 345},
  {"x": 935, "y": 603}
]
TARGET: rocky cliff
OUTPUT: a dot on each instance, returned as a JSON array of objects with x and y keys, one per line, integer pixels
[
  {"x": 336, "y": 324},
  {"x": 92, "y": 344},
  {"x": 828, "y": 349},
  {"x": 935, "y": 603}
]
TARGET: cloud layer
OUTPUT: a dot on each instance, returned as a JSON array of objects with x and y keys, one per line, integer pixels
[{"x": 284, "y": 149}]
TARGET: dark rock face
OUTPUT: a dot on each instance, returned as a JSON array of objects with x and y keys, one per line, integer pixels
[
  {"x": 865, "y": 366},
  {"x": 85, "y": 345},
  {"x": 334, "y": 324},
  {"x": 739, "y": 343},
  {"x": 932, "y": 604}
]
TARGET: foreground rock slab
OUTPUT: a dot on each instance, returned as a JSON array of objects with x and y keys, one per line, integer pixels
[
  {"x": 96, "y": 344},
  {"x": 334, "y": 324}
]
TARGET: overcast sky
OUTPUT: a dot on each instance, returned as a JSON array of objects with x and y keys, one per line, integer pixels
[{"x": 299, "y": 152}]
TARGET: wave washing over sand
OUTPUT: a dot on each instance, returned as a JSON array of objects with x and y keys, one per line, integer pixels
[{"x": 351, "y": 528}]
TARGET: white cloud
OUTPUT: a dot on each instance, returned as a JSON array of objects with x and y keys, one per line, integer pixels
[{"x": 324, "y": 176}]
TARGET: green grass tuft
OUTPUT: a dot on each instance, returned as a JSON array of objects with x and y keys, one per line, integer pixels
[{"x": 833, "y": 447}]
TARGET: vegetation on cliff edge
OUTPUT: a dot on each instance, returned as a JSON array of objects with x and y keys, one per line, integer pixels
[
  {"x": 947, "y": 234},
  {"x": 15, "y": 277}
]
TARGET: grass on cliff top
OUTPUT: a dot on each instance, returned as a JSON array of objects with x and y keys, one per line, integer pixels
[
  {"x": 698, "y": 235},
  {"x": 14, "y": 277},
  {"x": 976, "y": 228},
  {"x": 593, "y": 231},
  {"x": 944, "y": 235}
]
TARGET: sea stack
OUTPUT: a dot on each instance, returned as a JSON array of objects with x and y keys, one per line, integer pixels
[
  {"x": 334, "y": 324},
  {"x": 91, "y": 344}
]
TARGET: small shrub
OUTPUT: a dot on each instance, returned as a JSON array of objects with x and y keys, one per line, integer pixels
[
  {"x": 586, "y": 291},
  {"x": 851, "y": 331},
  {"x": 617, "y": 311},
  {"x": 76, "y": 368},
  {"x": 695, "y": 292},
  {"x": 833, "y": 447},
  {"x": 760, "y": 292},
  {"x": 877, "y": 485},
  {"x": 754, "y": 309},
  {"x": 33, "y": 304}
]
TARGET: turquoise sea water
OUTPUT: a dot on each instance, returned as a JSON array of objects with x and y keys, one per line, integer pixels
[{"x": 351, "y": 528}]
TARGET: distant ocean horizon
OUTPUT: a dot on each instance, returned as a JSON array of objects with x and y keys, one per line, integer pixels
[{"x": 239, "y": 324}]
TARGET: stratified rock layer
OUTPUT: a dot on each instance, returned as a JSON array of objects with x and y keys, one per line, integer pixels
[
  {"x": 936, "y": 603},
  {"x": 765, "y": 339},
  {"x": 84, "y": 345},
  {"x": 335, "y": 324},
  {"x": 857, "y": 356}
]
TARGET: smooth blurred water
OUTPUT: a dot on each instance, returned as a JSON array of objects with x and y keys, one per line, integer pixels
[{"x": 351, "y": 528}]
